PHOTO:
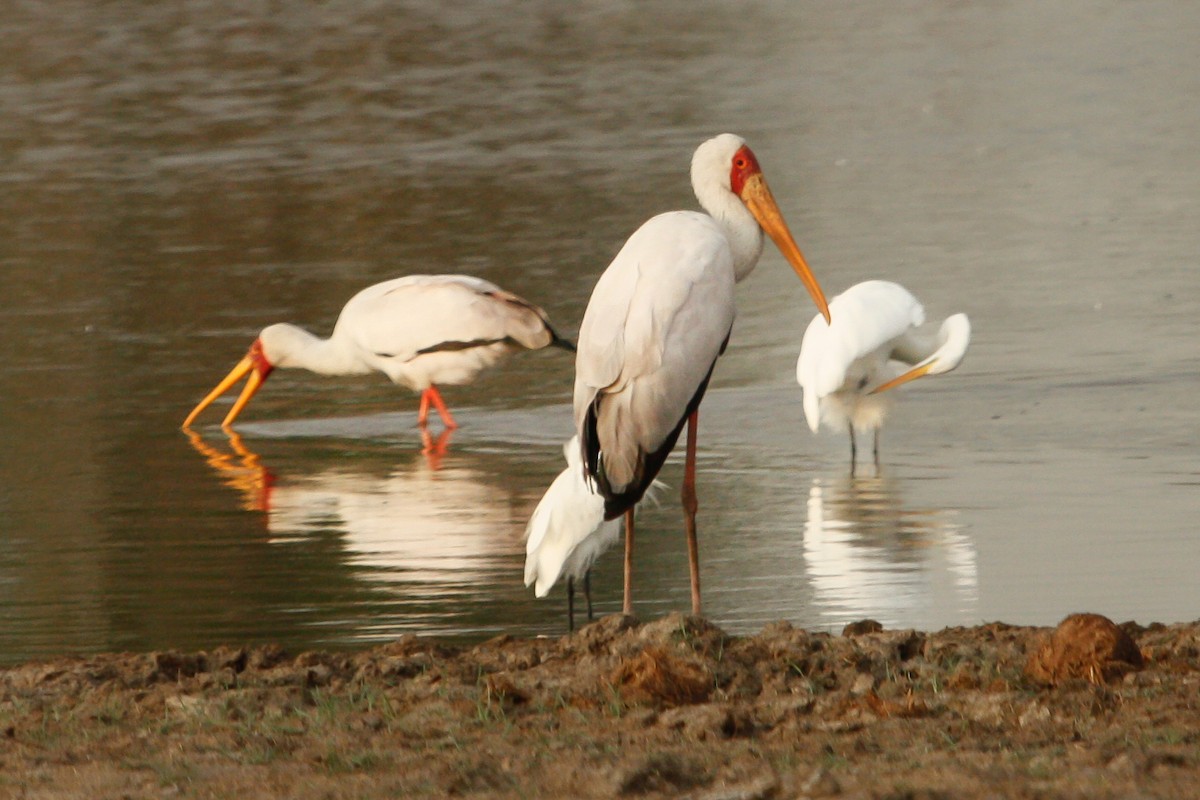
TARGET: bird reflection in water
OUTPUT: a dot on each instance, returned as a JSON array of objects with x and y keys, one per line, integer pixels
[
  {"x": 428, "y": 527},
  {"x": 867, "y": 555},
  {"x": 240, "y": 468},
  {"x": 434, "y": 447}
]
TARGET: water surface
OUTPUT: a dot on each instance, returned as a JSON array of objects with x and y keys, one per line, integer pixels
[{"x": 174, "y": 177}]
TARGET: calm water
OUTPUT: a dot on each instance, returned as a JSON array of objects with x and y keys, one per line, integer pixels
[{"x": 175, "y": 176}]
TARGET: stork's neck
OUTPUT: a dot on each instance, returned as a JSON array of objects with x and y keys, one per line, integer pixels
[
  {"x": 289, "y": 346},
  {"x": 741, "y": 228}
]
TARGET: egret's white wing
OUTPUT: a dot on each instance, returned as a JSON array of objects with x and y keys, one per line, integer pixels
[{"x": 567, "y": 531}]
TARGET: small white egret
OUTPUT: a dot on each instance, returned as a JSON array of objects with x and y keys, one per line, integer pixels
[
  {"x": 567, "y": 533},
  {"x": 844, "y": 365}
]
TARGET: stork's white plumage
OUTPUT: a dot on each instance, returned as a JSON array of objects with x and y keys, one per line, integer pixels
[
  {"x": 845, "y": 365},
  {"x": 419, "y": 330},
  {"x": 659, "y": 317}
]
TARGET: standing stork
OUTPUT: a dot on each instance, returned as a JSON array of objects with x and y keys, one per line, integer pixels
[
  {"x": 657, "y": 321},
  {"x": 419, "y": 330},
  {"x": 844, "y": 366}
]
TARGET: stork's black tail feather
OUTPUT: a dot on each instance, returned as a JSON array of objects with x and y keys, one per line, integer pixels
[{"x": 558, "y": 341}]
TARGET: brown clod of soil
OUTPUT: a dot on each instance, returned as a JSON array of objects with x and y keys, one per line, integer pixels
[
  {"x": 863, "y": 626},
  {"x": 658, "y": 677},
  {"x": 1088, "y": 646}
]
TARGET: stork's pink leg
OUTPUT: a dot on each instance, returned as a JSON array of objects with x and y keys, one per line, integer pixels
[
  {"x": 436, "y": 398},
  {"x": 423, "y": 410},
  {"x": 689, "y": 510},
  {"x": 627, "y": 605}
]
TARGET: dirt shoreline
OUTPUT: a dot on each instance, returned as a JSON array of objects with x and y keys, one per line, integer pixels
[{"x": 669, "y": 708}]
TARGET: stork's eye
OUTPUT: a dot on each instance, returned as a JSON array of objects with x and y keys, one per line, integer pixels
[{"x": 740, "y": 162}]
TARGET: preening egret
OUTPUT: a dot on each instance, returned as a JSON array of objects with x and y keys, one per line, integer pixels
[
  {"x": 659, "y": 317},
  {"x": 419, "y": 330},
  {"x": 844, "y": 364}
]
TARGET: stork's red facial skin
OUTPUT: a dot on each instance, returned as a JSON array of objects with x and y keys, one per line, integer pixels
[
  {"x": 744, "y": 166},
  {"x": 261, "y": 364}
]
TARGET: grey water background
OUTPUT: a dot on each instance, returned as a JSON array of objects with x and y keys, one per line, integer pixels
[{"x": 175, "y": 176}]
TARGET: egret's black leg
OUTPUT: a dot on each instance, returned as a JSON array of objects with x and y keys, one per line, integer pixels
[
  {"x": 587, "y": 592},
  {"x": 853, "y": 451},
  {"x": 570, "y": 604},
  {"x": 876, "y": 451}
]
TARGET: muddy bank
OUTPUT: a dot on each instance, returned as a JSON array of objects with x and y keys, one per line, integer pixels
[{"x": 669, "y": 708}]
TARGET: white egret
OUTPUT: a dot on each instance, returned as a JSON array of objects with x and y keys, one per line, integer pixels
[
  {"x": 845, "y": 365},
  {"x": 659, "y": 317},
  {"x": 567, "y": 533},
  {"x": 419, "y": 330}
]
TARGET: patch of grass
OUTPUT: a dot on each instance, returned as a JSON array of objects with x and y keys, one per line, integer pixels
[
  {"x": 39, "y": 728},
  {"x": 338, "y": 762},
  {"x": 831, "y": 759},
  {"x": 168, "y": 725},
  {"x": 814, "y": 687},
  {"x": 258, "y": 752},
  {"x": 169, "y": 773},
  {"x": 374, "y": 700},
  {"x": 327, "y": 707},
  {"x": 785, "y": 760},
  {"x": 488, "y": 708},
  {"x": 476, "y": 775},
  {"x": 331, "y": 709},
  {"x": 1169, "y": 735},
  {"x": 1034, "y": 762},
  {"x": 112, "y": 711},
  {"x": 559, "y": 703},
  {"x": 1041, "y": 768},
  {"x": 447, "y": 742},
  {"x": 685, "y": 635},
  {"x": 616, "y": 703}
]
